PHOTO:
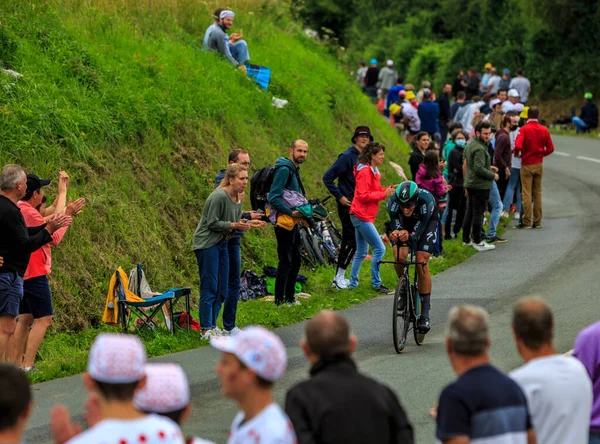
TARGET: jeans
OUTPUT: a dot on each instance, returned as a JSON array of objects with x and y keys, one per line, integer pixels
[
  {"x": 348, "y": 247},
  {"x": 580, "y": 125},
  {"x": 496, "y": 204},
  {"x": 514, "y": 186},
  {"x": 233, "y": 288},
  {"x": 456, "y": 201},
  {"x": 476, "y": 204},
  {"x": 213, "y": 264},
  {"x": 239, "y": 51},
  {"x": 366, "y": 234},
  {"x": 290, "y": 259},
  {"x": 531, "y": 183}
]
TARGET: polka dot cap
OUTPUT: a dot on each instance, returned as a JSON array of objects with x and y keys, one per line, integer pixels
[
  {"x": 166, "y": 389},
  {"x": 117, "y": 359}
]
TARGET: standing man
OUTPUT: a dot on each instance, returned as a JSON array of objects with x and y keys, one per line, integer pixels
[
  {"x": 461, "y": 100},
  {"x": 473, "y": 84},
  {"x": 287, "y": 177},
  {"x": 459, "y": 84},
  {"x": 502, "y": 96},
  {"x": 17, "y": 242},
  {"x": 589, "y": 115},
  {"x": 387, "y": 78},
  {"x": 371, "y": 79},
  {"x": 343, "y": 170},
  {"x": 586, "y": 349},
  {"x": 505, "y": 80},
  {"x": 331, "y": 407},
  {"x": 503, "y": 152},
  {"x": 522, "y": 85},
  {"x": 483, "y": 404},
  {"x": 444, "y": 103},
  {"x": 512, "y": 99},
  {"x": 361, "y": 73},
  {"x": 486, "y": 78},
  {"x": 533, "y": 143},
  {"x": 558, "y": 388},
  {"x": 219, "y": 41},
  {"x": 410, "y": 115},
  {"x": 493, "y": 84},
  {"x": 478, "y": 183},
  {"x": 429, "y": 113}
]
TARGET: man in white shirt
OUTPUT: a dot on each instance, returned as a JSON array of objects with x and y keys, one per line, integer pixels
[
  {"x": 493, "y": 85},
  {"x": 116, "y": 370},
  {"x": 512, "y": 99},
  {"x": 251, "y": 362},
  {"x": 557, "y": 387},
  {"x": 522, "y": 85}
]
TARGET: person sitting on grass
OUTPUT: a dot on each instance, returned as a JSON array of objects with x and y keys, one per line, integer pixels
[
  {"x": 219, "y": 41},
  {"x": 589, "y": 115}
]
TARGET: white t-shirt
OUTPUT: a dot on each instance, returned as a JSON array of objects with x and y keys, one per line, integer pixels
[
  {"x": 559, "y": 396},
  {"x": 493, "y": 84},
  {"x": 507, "y": 106},
  {"x": 515, "y": 161},
  {"x": 271, "y": 426},
  {"x": 151, "y": 429},
  {"x": 522, "y": 85}
]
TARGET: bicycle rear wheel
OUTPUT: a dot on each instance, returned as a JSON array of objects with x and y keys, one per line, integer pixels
[
  {"x": 400, "y": 321},
  {"x": 306, "y": 248},
  {"x": 419, "y": 336}
]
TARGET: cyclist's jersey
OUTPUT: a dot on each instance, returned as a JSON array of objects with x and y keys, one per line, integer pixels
[{"x": 425, "y": 212}]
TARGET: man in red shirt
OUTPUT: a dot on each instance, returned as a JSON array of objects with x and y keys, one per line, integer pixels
[{"x": 532, "y": 144}]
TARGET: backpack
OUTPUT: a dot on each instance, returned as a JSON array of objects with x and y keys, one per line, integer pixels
[{"x": 260, "y": 186}]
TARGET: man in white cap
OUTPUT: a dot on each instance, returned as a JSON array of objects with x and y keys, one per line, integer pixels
[
  {"x": 513, "y": 98},
  {"x": 167, "y": 393},
  {"x": 250, "y": 364},
  {"x": 116, "y": 370},
  {"x": 387, "y": 78},
  {"x": 496, "y": 105},
  {"x": 219, "y": 41}
]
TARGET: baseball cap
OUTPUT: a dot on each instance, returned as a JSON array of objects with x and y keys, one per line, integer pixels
[
  {"x": 36, "y": 182},
  {"x": 394, "y": 109},
  {"x": 166, "y": 390},
  {"x": 588, "y": 95},
  {"x": 258, "y": 349},
  {"x": 495, "y": 102},
  {"x": 117, "y": 359},
  {"x": 390, "y": 63},
  {"x": 506, "y": 71},
  {"x": 513, "y": 93},
  {"x": 410, "y": 95},
  {"x": 519, "y": 107},
  {"x": 488, "y": 65},
  {"x": 373, "y": 61}
]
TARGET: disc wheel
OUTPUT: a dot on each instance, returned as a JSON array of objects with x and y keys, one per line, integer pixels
[{"x": 400, "y": 319}]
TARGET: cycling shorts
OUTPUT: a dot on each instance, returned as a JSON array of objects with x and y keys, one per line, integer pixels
[{"x": 427, "y": 240}]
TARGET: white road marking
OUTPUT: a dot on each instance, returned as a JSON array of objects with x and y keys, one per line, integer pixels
[
  {"x": 559, "y": 153},
  {"x": 590, "y": 159}
]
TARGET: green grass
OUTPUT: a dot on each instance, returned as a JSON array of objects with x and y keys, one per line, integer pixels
[{"x": 573, "y": 133}]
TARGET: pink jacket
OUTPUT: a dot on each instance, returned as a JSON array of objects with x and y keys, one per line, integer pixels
[{"x": 434, "y": 186}]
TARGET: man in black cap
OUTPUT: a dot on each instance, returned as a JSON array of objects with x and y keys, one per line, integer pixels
[
  {"x": 343, "y": 170},
  {"x": 17, "y": 242}
]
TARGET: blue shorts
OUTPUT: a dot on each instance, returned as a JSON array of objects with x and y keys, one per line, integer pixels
[
  {"x": 37, "y": 299},
  {"x": 11, "y": 293}
]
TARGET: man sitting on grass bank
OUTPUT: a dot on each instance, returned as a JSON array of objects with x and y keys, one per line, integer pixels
[{"x": 219, "y": 41}]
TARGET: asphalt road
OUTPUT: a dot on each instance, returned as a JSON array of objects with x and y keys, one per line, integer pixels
[{"x": 559, "y": 262}]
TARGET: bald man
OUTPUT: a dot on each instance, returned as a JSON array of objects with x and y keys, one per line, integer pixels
[
  {"x": 338, "y": 404},
  {"x": 557, "y": 387}
]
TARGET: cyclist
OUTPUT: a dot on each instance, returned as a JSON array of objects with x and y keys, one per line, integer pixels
[{"x": 414, "y": 219}]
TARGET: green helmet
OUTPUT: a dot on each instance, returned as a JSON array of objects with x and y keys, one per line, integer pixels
[{"x": 407, "y": 193}]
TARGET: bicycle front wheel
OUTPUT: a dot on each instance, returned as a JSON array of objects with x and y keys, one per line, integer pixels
[{"x": 400, "y": 320}]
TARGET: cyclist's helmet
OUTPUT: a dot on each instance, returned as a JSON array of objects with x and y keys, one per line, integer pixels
[{"x": 407, "y": 194}]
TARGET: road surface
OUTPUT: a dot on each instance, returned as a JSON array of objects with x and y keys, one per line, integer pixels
[{"x": 559, "y": 262}]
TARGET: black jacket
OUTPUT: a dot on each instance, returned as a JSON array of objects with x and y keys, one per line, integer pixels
[
  {"x": 455, "y": 167},
  {"x": 338, "y": 405},
  {"x": 444, "y": 102},
  {"x": 589, "y": 114},
  {"x": 414, "y": 161}
]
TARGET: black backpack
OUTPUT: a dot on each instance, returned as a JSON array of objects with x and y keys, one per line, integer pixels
[{"x": 260, "y": 186}]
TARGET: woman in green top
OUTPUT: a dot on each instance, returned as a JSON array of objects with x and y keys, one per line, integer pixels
[{"x": 221, "y": 216}]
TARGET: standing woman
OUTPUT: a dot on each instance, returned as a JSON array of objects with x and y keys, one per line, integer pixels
[
  {"x": 363, "y": 212},
  {"x": 221, "y": 216}
]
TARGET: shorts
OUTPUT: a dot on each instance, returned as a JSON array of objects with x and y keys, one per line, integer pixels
[
  {"x": 11, "y": 293},
  {"x": 37, "y": 299},
  {"x": 427, "y": 240}
]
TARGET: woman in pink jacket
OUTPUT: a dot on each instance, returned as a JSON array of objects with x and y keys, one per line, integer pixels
[{"x": 363, "y": 212}]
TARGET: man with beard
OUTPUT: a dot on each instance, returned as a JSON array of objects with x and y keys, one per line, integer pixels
[{"x": 219, "y": 41}]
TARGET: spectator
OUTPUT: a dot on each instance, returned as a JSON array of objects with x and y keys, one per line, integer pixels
[
  {"x": 557, "y": 387},
  {"x": 478, "y": 405},
  {"x": 459, "y": 84},
  {"x": 467, "y": 113},
  {"x": 532, "y": 144},
  {"x": 343, "y": 170},
  {"x": 485, "y": 78},
  {"x": 429, "y": 177},
  {"x": 522, "y": 85},
  {"x": 505, "y": 80},
  {"x": 493, "y": 84},
  {"x": 457, "y": 200},
  {"x": 511, "y": 101},
  {"x": 410, "y": 115},
  {"x": 17, "y": 242},
  {"x": 287, "y": 177},
  {"x": 220, "y": 217},
  {"x": 331, "y": 406},
  {"x": 494, "y": 201},
  {"x": 449, "y": 145},
  {"x": 461, "y": 100},
  {"x": 496, "y": 105},
  {"x": 219, "y": 41},
  {"x": 473, "y": 84},
  {"x": 386, "y": 78},
  {"x": 418, "y": 152},
  {"x": 478, "y": 180},
  {"x": 112, "y": 382},
  {"x": 371, "y": 79},
  {"x": 361, "y": 73},
  {"x": 393, "y": 95},
  {"x": 502, "y": 95},
  {"x": 444, "y": 103},
  {"x": 363, "y": 213},
  {"x": 166, "y": 393},
  {"x": 586, "y": 349},
  {"x": 35, "y": 310},
  {"x": 424, "y": 85},
  {"x": 250, "y": 363},
  {"x": 503, "y": 153},
  {"x": 211, "y": 28},
  {"x": 429, "y": 113},
  {"x": 513, "y": 190},
  {"x": 16, "y": 403},
  {"x": 589, "y": 115}
]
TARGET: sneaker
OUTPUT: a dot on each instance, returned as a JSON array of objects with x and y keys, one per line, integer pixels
[
  {"x": 234, "y": 331},
  {"x": 31, "y": 369},
  {"x": 467, "y": 244},
  {"x": 424, "y": 325},
  {"x": 483, "y": 246},
  {"x": 517, "y": 215},
  {"x": 536, "y": 226},
  {"x": 504, "y": 214},
  {"x": 340, "y": 284},
  {"x": 293, "y": 304},
  {"x": 496, "y": 239},
  {"x": 218, "y": 331},
  {"x": 208, "y": 335},
  {"x": 522, "y": 227},
  {"x": 382, "y": 289}
]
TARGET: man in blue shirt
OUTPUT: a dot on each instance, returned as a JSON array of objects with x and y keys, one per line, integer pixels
[
  {"x": 429, "y": 113},
  {"x": 343, "y": 170}
]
